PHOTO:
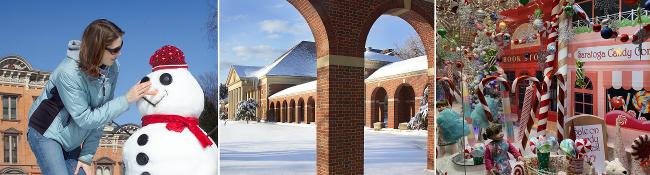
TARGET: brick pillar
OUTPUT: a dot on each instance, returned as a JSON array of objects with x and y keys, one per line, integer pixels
[
  {"x": 340, "y": 116},
  {"x": 393, "y": 112},
  {"x": 369, "y": 112}
]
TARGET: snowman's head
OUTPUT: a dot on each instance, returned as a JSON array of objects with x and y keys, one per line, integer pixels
[{"x": 178, "y": 92}]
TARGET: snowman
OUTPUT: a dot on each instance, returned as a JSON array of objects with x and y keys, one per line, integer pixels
[{"x": 170, "y": 140}]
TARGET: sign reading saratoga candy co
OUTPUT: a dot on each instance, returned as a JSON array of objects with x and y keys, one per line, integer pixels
[{"x": 623, "y": 52}]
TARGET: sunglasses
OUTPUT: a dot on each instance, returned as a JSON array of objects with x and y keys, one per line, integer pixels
[{"x": 116, "y": 50}]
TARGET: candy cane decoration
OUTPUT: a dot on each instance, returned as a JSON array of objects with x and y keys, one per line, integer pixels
[
  {"x": 481, "y": 95},
  {"x": 561, "y": 73},
  {"x": 452, "y": 88},
  {"x": 552, "y": 47},
  {"x": 527, "y": 111}
]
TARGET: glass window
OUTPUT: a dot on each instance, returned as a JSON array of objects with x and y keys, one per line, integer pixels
[
  {"x": 10, "y": 143},
  {"x": 9, "y": 107},
  {"x": 583, "y": 103}
]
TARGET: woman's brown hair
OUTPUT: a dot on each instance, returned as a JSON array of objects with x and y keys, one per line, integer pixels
[{"x": 96, "y": 37}]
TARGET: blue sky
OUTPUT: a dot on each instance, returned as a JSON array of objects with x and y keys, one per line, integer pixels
[
  {"x": 254, "y": 33},
  {"x": 39, "y": 31}
]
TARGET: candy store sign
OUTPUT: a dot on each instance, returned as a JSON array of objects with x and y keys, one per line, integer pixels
[
  {"x": 622, "y": 52},
  {"x": 594, "y": 133},
  {"x": 520, "y": 58}
]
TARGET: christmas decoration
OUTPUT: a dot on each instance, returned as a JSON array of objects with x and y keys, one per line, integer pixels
[{"x": 170, "y": 134}]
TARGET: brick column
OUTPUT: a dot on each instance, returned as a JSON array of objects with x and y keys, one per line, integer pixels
[
  {"x": 393, "y": 108},
  {"x": 340, "y": 116}
]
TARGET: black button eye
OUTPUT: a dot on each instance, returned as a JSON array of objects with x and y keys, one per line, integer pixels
[
  {"x": 165, "y": 79},
  {"x": 145, "y": 79}
]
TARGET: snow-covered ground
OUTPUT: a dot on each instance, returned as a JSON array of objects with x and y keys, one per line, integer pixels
[{"x": 269, "y": 148}]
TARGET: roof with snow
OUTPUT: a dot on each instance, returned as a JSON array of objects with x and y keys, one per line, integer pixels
[
  {"x": 374, "y": 56},
  {"x": 297, "y": 89},
  {"x": 297, "y": 61},
  {"x": 245, "y": 71},
  {"x": 401, "y": 67}
]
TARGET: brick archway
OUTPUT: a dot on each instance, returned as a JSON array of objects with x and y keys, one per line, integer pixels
[
  {"x": 404, "y": 105},
  {"x": 311, "y": 110},
  {"x": 301, "y": 111},
  {"x": 292, "y": 111},
  {"x": 278, "y": 116},
  {"x": 271, "y": 112},
  {"x": 284, "y": 111},
  {"x": 340, "y": 29},
  {"x": 379, "y": 107}
]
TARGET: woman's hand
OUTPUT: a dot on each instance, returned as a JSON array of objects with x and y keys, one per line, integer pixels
[
  {"x": 138, "y": 91},
  {"x": 86, "y": 168}
]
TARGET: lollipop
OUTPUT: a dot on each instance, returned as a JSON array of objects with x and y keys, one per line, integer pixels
[
  {"x": 519, "y": 169},
  {"x": 478, "y": 150},
  {"x": 583, "y": 146},
  {"x": 467, "y": 152},
  {"x": 568, "y": 148},
  {"x": 552, "y": 140},
  {"x": 532, "y": 144},
  {"x": 641, "y": 148}
]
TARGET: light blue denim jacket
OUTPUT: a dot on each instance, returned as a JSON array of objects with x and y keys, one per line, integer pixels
[{"x": 88, "y": 101}]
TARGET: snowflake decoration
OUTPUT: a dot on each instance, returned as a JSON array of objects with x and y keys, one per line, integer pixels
[
  {"x": 606, "y": 5},
  {"x": 566, "y": 33}
]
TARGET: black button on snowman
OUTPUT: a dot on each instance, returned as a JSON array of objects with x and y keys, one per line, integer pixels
[{"x": 170, "y": 141}]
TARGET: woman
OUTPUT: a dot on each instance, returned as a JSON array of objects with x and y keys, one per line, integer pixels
[{"x": 67, "y": 119}]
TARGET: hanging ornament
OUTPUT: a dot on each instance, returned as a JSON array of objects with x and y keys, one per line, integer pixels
[
  {"x": 442, "y": 33},
  {"x": 516, "y": 41},
  {"x": 523, "y": 2},
  {"x": 502, "y": 25},
  {"x": 630, "y": 2},
  {"x": 568, "y": 10},
  {"x": 494, "y": 16},
  {"x": 646, "y": 5},
  {"x": 624, "y": 38},
  {"x": 606, "y": 32},
  {"x": 538, "y": 12},
  {"x": 596, "y": 27},
  {"x": 480, "y": 14},
  {"x": 580, "y": 74}
]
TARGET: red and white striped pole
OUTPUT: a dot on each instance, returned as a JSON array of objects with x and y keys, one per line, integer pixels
[{"x": 545, "y": 101}]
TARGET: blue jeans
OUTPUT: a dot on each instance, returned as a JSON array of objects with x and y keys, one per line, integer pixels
[{"x": 50, "y": 155}]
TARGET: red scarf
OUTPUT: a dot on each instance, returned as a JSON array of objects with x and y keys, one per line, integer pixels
[{"x": 178, "y": 123}]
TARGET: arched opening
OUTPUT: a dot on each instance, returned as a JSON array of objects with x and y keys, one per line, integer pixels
[
  {"x": 292, "y": 111},
  {"x": 301, "y": 111},
  {"x": 271, "y": 112},
  {"x": 284, "y": 112},
  {"x": 404, "y": 104},
  {"x": 379, "y": 107},
  {"x": 340, "y": 73},
  {"x": 311, "y": 110},
  {"x": 278, "y": 112}
]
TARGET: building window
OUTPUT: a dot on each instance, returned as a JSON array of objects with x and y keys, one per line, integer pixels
[
  {"x": 9, "y": 107},
  {"x": 10, "y": 146},
  {"x": 583, "y": 99},
  {"x": 583, "y": 103},
  {"x": 103, "y": 170}
]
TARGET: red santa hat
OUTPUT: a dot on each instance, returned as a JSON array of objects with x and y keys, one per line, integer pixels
[{"x": 167, "y": 57}]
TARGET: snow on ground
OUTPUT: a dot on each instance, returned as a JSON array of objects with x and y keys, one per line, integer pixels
[{"x": 269, "y": 148}]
